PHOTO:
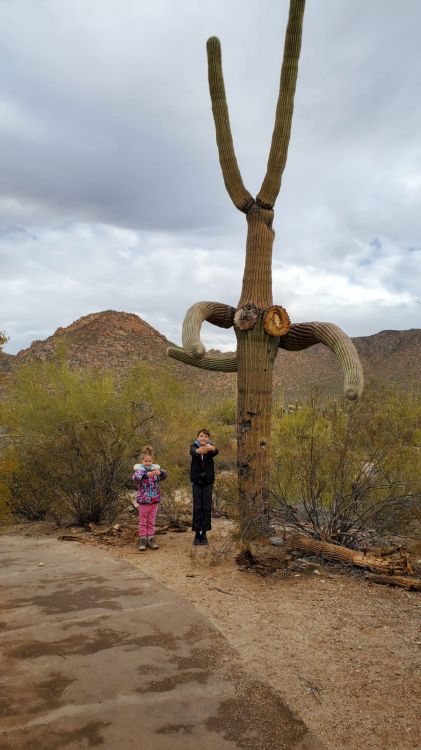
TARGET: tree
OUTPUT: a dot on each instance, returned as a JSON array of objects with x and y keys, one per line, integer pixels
[
  {"x": 261, "y": 328},
  {"x": 3, "y": 340}
]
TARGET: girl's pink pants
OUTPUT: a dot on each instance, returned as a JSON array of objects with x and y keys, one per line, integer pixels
[{"x": 147, "y": 516}]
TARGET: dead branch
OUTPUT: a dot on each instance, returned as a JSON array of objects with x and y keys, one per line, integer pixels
[
  {"x": 407, "y": 582},
  {"x": 393, "y": 562},
  {"x": 71, "y": 538}
]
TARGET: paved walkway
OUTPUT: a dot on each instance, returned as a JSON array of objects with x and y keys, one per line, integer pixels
[{"x": 93, "y": 653}]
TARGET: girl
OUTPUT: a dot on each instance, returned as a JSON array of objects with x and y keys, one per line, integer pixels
[{"x": 147, "y": 476}]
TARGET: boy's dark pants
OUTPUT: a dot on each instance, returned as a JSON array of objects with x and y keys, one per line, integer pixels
[{"x": 202, "y": 507}]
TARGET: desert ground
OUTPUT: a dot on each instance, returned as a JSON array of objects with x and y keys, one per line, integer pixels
[{"x": 342, "y": 652}]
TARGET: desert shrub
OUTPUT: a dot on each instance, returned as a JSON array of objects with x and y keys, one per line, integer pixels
[
  {"x": 223, "y": 411},
  {"x": 349, "y": 475},
  {"x": 7, "y": 465},
  {"x": 175, "y": 505},
  {"x": 225, "y": 494},
  {"x": 169, "y": 412},
  {"x": 71, "y": 438}
]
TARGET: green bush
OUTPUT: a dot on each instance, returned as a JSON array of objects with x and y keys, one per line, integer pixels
[
  {"x": 224, "y": 411},
  {"x": 72, "y": 437},
  {"x": 225, "y": 494},
  {"x": 175, "y": 505},
  {"x": 349, "y": 475}
]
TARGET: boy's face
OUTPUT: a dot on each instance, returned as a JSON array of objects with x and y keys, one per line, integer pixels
[
  {"x": 203, "y": 438},
  {"x": 147, "y": 461}
]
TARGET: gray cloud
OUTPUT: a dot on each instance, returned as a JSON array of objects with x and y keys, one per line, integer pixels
[{"x": 109, "y": 169}]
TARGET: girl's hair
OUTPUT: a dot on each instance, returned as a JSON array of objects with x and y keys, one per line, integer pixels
[
  {"x": 147, "y": 450},
  {"x": 205, "y": 432}
]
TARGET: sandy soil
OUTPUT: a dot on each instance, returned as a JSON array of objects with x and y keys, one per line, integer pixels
[{"x": 342, "y": 652}]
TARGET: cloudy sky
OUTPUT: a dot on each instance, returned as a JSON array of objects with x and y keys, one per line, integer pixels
[{"x": 111, "y": 195}]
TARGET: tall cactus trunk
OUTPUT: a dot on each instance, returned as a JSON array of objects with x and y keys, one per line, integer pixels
[
  {"x": 256, "y": 353},
  {"x": 260, "y": 326}
]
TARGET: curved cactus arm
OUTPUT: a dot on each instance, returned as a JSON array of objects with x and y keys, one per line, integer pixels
[
  {"x": 213, "y": 312},
  {"x": 282, "y": 130},
  {"x": 220, "y": 361},
  {"x": 303, "y": 335},
  {"x": 241, "y": 197}
]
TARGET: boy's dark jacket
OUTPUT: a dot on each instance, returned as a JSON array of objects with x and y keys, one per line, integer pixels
[{"x": 202, "y": 471}]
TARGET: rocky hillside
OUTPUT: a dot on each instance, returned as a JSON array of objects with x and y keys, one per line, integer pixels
[
  {"x": 388, "y": 357},
  {"x": 117, "y": 340}
]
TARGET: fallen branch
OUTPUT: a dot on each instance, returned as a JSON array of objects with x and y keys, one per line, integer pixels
[
  {"x": 390, "y": 562},
  {"x": 71, "y": 538},
  {"x": 389, "y": 565},
  {"x": 407, "y": 582}
]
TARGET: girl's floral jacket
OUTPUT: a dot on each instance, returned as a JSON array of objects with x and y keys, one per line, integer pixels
[{"x": 148, "y": 490}]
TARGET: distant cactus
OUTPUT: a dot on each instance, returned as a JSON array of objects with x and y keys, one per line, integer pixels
[{"x": 261, "y": 328}]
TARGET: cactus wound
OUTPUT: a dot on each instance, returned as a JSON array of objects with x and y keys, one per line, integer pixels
[
  {"x": 276, "y": 321},
  {"x": 245, "y": 317}
]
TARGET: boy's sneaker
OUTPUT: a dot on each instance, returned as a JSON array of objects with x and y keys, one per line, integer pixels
[
  {"x": 143, "y": 544},
  {"x": 197, "y": 539},
  {"x": 152, "y": 543},
  {"x": 204, "y": 539}
]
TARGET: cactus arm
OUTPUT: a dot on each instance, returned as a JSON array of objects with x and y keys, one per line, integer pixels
[
  {"x": 220, "y": 361},
  {"x": 282, "y": 130},
  {"x": 213, "y": 312},
  {"x": 241, "y": 197},
  {"x": 303, "y": 335}
]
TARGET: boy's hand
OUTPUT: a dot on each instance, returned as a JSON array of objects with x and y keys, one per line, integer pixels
[{"x": 211, "y": 448}]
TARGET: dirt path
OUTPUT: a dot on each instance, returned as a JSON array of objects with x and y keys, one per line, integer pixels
[
  {"x": 96, "y": 653},
  {"x": 342, "y": 652}
]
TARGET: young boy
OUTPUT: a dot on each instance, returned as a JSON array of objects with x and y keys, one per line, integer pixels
[{"x": 202, "y": 477}]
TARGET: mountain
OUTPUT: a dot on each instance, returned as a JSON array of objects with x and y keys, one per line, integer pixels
[
  {"x": 387, "y": 357},
  {"x": 117, "y": 340}
]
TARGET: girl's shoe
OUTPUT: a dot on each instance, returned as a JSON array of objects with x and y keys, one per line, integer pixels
[
  {"x": 203, "y": 538},
  {"x": 196, "y": 539},
  {"x": 143, "y": 544},
  {"x": 152, "y": 543}
]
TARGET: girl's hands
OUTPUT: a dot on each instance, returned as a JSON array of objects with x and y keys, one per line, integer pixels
[{"x": 153, "y": 473}]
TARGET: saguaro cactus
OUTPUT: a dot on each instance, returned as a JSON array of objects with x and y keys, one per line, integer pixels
[{"x": 261, "y": 328}]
